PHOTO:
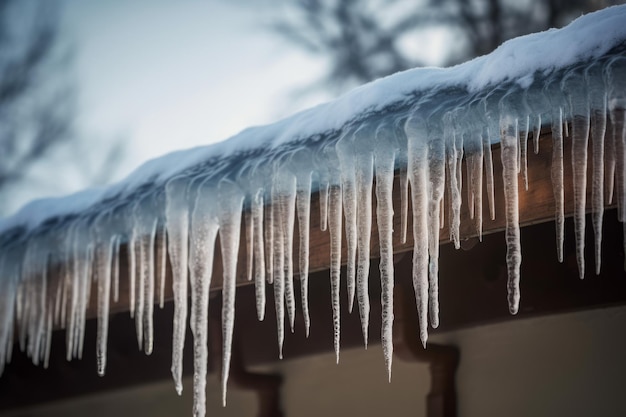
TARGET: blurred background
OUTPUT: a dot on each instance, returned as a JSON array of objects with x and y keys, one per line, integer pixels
[{"x": 90, "y": 90}]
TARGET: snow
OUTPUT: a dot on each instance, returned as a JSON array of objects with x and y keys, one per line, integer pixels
[{"x": 420, "y": 123}]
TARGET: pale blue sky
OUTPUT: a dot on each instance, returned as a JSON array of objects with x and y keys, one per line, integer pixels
[
  {"x": 173, "y": 75},
  {"x": 167, "y": 75}
]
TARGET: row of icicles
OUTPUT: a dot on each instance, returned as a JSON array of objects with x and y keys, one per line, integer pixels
[{"x": 199, "y": 210}]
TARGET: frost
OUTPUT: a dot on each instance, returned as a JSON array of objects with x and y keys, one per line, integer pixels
[{"x": 428, "y": 132}]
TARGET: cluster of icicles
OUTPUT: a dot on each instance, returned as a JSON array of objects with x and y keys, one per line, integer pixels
[{"x": 423, "y": 138}]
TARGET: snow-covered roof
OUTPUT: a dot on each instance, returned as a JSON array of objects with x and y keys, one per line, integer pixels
[{"x": 423, "y": 121}]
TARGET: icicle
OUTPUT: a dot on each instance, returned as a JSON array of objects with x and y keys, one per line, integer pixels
[
  {"x": 161, "y": 268},
  {"x": 269, "y": 243},
  {"x": 132, "y": 270},
  {"x": 475, "y": 167},
  {"x": 71, "y": 290},
  {"x": 385, "y": 161},
  {"x": 147, "y": 249},
  {"x": 334, "y": 225},
  {"x": 597, "y": 101},
  {"x": 442, "y": 211},
  {"x": 136, "y": 247},
  {"x": 67, "y": 270},
  {"x": 509, "y": 179},
  {"x": 287, "y": 198},
  {"x": 229, "y": 216},
  {"x": 203, "y": 235},
  {"x": 34, "y": 280},
  {"x": 347, "y": 161},
  {"x": 454, "y": 187},
  {"x": 58, "y": 298},
  {"x": 7, "y": 307},
  {"x": 610, "y": 155},
  {"x": 404, "y": 204},
  {"x": 177, "y": 223},
  {"x": 537, "y": 134},
  {"x": 616, "y": 106},
  {"x": 436, "y": 185},
  {"x": 279, "y": 269},
  {"x": 303, "y": 205},
  {"x": 524, "y": 152},
  {"x": 418, "y": 177},
  {"x": 557, "y": 179},
  {"x": 618, "y": 120},
  {"x": 80, "y": 288},
  {"x": 469, "y": 161},
  {"x": 364, "y": 167},
  {"x": 103, "y": 259},
  {"x": 323, "y": 199},
  {"x": 116, "y": 268},
  {"x": 249, "y": 245},
  {"x": 580, "y": 139},
  {"x": 488, "y": 157},
  {"x": 47, "y": 341},
  {"x": 259, "y": 253}
]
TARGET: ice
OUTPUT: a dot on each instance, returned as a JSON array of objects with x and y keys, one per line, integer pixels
[
  {"x": 229, "y": 219},
  {"x": 414, "y": 131},
  {"x": 580, "y": 112},
  {"x": 557, "y": 180},
  {"x": 334, "y": 225},
  {"x": 524, "y": 152},
  {"x": 384, "y": 164},
  {"x": 278, "y": 267},
  {"x": 418, "y": 178},
  {"x": 287, "y": 205},
  {"x": 204, "y": 228},
  {"x": 509, "y": 179},
  {"x": 365, "y": 135},
  {"x": 346, "y": 152},
  {"x": 303, "y": 205},
  {"x": 103, "y": 260},
  {"x": 177, "y": 222},
  {"x": 258, "y": 252}
]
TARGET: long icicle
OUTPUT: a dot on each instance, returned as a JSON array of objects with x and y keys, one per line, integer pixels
[
  {"x": 489, "y": 182},
  {"x": 556, "y": 172},
  {"x": 177, "y": 223},
  {"x": 580, "y": 139},
  {"x": 347, "y": 161},
  {"x": 364, "y": 180},
  {"x": 204, "y": 229},
  {"x": 303, "y": 205},
  {"x": 454, "y": 190},
  {"x": 512, "y": 233},
  {"x": 385, "y": 161},
  {"x": 229, "y": 217},
  {"x": 597, "y": 101},
  {"x": 259, "y": 253},
  {"x": 436, "y": 186},
  {"x": 288, "y": 214},
  {"x": 278, "y": 268},
  {"x": 418, "y": 177},
  {"x": 334, "y": 225},
  {"x": 103, "y": 260}
]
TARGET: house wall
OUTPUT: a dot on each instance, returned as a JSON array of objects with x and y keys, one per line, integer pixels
[{"x": 571, "y": 364}]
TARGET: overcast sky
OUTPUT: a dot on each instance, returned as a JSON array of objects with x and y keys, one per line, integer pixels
[{"x": 172, "y": 75}]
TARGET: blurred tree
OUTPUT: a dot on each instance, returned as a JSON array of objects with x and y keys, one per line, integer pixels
[
  {"x": 37, "y": 99},
  {"x": 367, "y": 39},
  {"x": 33, "y": 118}
]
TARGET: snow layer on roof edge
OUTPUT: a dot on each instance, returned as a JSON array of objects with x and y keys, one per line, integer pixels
[{"x": 518, "y": 61}]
